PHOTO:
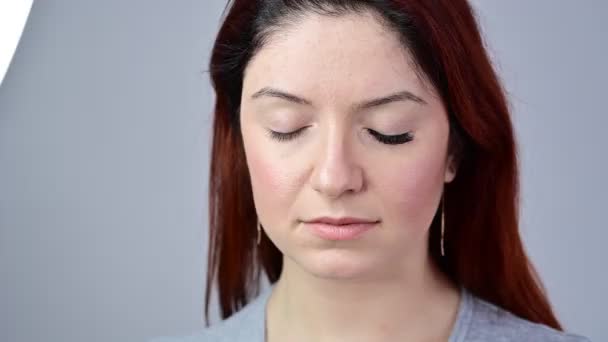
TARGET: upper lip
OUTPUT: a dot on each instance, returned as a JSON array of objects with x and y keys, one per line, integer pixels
[{"x": 340, "y": 220}]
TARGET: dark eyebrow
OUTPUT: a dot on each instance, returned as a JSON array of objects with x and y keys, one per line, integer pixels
[
  {"x": 266, "y": 91},
  {"x": 399, "y": 96}
]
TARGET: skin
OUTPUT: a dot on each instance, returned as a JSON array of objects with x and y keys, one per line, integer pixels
[{"x": 383, "y": 285}]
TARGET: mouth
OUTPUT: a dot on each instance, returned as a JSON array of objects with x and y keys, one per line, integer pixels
[
  {"x": 349, "y": 231},
  {"x": 339, "y": 221}
]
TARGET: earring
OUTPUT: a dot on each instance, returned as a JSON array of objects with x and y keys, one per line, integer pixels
[
  {"x": 442, "y": 223},
  {"x": 259, "y": 232}
]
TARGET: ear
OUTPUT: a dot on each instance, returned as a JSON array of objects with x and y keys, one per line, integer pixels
[{"x": 450, "y": 170}]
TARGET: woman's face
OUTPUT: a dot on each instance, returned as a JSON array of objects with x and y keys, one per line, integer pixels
[{"x": 321, "y": 76}]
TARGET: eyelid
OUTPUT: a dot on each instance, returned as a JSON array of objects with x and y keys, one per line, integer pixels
[
  {"x": 285, "y": 136},
  {"x": 395, "y": 139}
]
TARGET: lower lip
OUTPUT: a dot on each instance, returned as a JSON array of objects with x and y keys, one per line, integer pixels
[{"x": 340, "y": 232}]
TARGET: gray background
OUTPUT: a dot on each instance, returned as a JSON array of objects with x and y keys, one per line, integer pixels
[{"x": 104, "y": 147}]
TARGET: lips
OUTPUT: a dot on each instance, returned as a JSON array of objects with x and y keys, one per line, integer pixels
[
  {"x": 344, "y": 228},
  {"x": 340, "y": 221}
]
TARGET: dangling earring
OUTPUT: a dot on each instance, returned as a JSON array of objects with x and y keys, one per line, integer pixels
[
  {"x": 259, "y": 233},
  {"x": 442, "y": 223}
]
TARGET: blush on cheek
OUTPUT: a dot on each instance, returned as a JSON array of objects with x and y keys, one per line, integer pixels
[
  {"x": 260, "y": 171},
  {"x": 268, "y": 179},
  {"x": 412, "y": 194},
  {"x": 414, "y": 188}
]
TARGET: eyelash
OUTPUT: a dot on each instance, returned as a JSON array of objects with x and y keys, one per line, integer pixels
[{"x": 385, "y": 139}]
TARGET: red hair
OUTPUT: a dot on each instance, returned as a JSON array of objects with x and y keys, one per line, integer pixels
[{"x": 484, "y": 251}]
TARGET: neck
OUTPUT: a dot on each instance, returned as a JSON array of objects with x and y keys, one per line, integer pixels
[{"x": 303, "y": 307}]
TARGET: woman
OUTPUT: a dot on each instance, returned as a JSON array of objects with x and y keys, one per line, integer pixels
[{"x": 364, "y": 159}]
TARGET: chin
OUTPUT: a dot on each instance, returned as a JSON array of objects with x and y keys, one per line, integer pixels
[{"x": 339, "y": 264}]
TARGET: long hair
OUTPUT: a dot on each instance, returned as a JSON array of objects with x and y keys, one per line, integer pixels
[{"x": 483, "y": 247}]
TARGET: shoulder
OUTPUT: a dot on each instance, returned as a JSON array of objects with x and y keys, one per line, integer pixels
[
  {"x": 232, "y": 329},
  {"x": 493, "y": 323},
  {"x": 247, "y": 324},
  {"x": 206, "y": 335},
  {"x": 227, "y": 330}
]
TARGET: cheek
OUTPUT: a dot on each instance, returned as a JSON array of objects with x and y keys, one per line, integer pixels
[
  {"x": 264, "y": 176},
  {"x": 411, "y": 192},
  {"x": 413, "y": 187},
  {"x": 273, "y": 185}
]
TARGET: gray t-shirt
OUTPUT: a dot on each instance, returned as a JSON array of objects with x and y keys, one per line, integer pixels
[{"x": 477, "y": 321}]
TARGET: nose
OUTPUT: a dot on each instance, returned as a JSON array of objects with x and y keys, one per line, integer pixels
[{"x": 336, "y": 169}]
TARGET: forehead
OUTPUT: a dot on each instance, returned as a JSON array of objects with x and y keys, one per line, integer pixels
[{"x": 334, "y": 57}]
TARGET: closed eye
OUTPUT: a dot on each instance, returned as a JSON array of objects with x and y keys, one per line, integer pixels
[
  {"x": 382, "y": 138},
  {"x": 396, "y": 139},
  {"x": 286, "y": 136}
]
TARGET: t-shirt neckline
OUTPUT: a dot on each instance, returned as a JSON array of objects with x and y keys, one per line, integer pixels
[{"x": 459, "y": 329}]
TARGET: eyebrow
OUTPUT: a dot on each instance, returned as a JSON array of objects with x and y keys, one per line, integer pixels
[{"x": 395, "y": 97}]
